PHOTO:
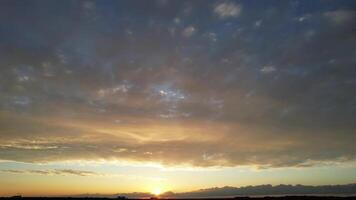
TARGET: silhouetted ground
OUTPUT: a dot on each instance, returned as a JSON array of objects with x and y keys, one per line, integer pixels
[{"x": 236, "y": 198}]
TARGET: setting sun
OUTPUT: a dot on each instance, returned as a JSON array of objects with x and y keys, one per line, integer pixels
[{"x": 157, "y": 191}]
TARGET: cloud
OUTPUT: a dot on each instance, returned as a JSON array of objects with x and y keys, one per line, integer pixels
[
  {"x": 200, "y": 102},
  {"x": 75, "y": 172},
  {"x": 340, "y": 17},
  {"x": 189, "y": 31},
  {"x": 53, "y": 172},
  {"x": 169, "y": 144},
  {"x": 12, "y": 171},
  {"x": 227, "y": 10},
  {"x": 258, "y": 23},
  {"x": 268, "y": 69},
  {"x": 304, "y": 17},
  {"x": 89, "y": 5}
]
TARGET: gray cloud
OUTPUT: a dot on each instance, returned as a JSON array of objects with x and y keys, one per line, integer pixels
[
  {"x": 188, "y": 31},
  {"x": 340, "y": 17},
  {"x": 53, "y": 172},
  {"x": 109, "y": 90},
  {"x": 268, "y": 69}
]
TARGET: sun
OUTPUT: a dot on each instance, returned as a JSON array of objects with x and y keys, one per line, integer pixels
[{"x": 157, "y": 191}]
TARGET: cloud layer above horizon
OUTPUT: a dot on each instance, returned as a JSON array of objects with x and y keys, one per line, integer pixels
[{"x": 196, "y": 83}]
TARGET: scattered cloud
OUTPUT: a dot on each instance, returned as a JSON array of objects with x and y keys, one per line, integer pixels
[
  {"x": 227, "y": 9},
  {"x": 258, "y": 23},
  {"x": 268, "y": 69},
  {"x": 110, "y": 91},
  {"x": 211, "y": 36},
  {"x": 177, "y": 20},
  {"x": 189, "y": 31}
]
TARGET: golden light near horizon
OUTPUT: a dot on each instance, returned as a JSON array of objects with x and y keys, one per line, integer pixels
[{"x": 156, "y": 191}]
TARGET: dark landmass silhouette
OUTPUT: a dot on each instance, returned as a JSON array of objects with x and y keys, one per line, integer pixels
[
  {"x": 156, "y": 198},
  {"x": 259, "y": 190},
  {"x": 268, "y": 190},
  {"x": 346, "y": 190}
]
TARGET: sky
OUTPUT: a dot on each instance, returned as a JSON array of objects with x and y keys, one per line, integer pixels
[{"x": 174, "y": 95}]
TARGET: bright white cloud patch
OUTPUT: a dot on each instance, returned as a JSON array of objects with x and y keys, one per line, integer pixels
[{"x": 227, "y": 9}]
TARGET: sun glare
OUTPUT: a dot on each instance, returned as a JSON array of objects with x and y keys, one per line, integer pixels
[{"x": 156, "y": 191}]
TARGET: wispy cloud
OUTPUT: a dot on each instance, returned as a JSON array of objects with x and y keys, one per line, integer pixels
[{"x": 53, "y": 172}]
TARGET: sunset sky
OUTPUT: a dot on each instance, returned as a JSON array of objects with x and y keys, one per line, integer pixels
[{"x": 173, "y": 95}]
